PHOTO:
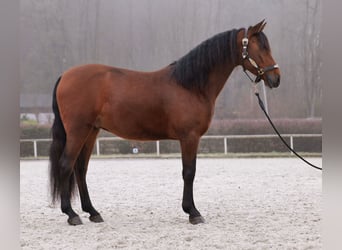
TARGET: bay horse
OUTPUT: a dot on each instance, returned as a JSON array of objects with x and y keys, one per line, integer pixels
[{"x": 176, "y": 102}]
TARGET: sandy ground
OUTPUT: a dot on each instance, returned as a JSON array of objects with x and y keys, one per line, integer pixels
[{"x": 247, "y": 203}]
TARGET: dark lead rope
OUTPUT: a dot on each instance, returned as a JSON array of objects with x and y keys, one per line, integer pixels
[
  {"x": 261, "y": 104},
  {"x": 260, "y": 72}
]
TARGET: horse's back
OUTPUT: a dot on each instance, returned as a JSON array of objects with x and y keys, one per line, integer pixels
[
  {"x": 111, "y": 98},
  {"x": 84, "y": 73}
]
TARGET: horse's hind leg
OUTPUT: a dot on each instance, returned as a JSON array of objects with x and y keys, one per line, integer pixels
[
  {"x": 74, "y": 144},
  {"x": 81, "y": 168},
  {"x": 67, "y": 178}
]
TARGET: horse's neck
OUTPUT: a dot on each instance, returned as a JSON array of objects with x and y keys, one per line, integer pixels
[{"x": 217, "y": 80}]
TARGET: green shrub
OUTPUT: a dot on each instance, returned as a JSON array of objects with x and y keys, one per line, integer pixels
[{"x": 35, "y": 132}]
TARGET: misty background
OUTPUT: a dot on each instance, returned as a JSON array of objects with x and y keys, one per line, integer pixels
[{"x": 147, "y": 35}]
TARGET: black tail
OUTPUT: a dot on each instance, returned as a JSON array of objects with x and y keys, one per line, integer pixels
[{"x": 56, "y": 150}]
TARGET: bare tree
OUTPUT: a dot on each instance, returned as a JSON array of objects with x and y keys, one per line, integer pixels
[
  {"x": 147, "y": 35},
  {"x": 312, "y": 60}
]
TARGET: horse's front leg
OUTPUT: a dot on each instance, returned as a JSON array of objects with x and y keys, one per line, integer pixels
[{"x": 189, "y": 152}]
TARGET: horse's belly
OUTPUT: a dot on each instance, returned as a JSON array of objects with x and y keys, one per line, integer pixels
[
  {"x": 137, "y": 133},
  {"x": 138, "y": 123}
]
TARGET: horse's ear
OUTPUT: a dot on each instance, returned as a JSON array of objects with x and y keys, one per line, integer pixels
[{"x": 257, "y": 28}]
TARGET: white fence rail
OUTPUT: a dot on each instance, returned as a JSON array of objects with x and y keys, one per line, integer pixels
[{"x": 225, "y": 139}]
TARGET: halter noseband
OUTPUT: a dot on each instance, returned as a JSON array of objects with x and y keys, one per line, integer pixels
[{"x": 245, "y": 56}]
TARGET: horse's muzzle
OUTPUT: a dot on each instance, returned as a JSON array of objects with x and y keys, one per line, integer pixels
[{"x": 272, "y": 80}]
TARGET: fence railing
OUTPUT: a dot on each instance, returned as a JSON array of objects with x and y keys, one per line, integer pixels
[{"x": 225, "y": 138}]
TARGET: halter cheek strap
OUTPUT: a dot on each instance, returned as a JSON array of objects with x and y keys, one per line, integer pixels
[{"x": 245, "y": 56}]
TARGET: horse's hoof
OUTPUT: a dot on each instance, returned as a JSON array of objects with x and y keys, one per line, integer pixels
[
  {"x": 196, "y": 220},
  {"x": 74, "y": 221},
  {"x": 96, "y": 218}
]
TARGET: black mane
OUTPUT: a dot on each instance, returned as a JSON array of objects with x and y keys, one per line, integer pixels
[{"x": 193, "y": 69}]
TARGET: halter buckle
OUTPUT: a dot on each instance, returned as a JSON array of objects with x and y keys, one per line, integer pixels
[
  {"x": 244, "y": 47},
  {"x": 245, "y": 41}
]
